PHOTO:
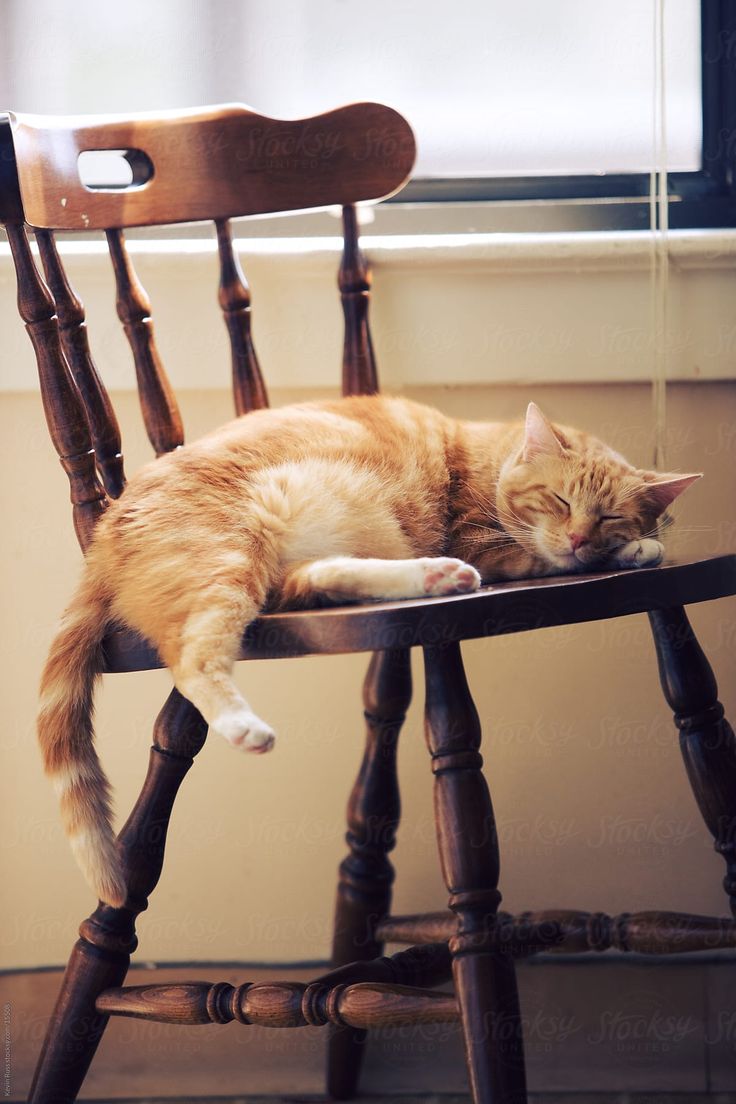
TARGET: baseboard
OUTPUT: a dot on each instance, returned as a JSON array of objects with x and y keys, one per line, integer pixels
[
  {"x": 444, "y": 1098},
  {"x": 596, "y": 1029}
]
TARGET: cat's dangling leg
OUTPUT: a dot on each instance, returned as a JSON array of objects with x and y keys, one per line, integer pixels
[
  {"x": 347, "y": 578},
  {"x": 201, "y": 662}
]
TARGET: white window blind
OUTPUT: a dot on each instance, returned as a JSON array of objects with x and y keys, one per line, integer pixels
[{"x": 492, "y": 88}]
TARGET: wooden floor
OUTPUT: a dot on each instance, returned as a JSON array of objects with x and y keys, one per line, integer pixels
[
  {"x": 535, "y": 1098},
  {"x": 598, "y": 1031}
]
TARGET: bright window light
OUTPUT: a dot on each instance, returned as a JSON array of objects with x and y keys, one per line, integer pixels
[{"x": 492, "y": 88}]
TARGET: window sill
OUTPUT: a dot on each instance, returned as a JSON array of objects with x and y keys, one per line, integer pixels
[{"x": 447, "y": 308}]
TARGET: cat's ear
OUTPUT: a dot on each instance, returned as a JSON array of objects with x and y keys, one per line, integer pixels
[
  {"x": 662, "y": 488},
  {"x": 539, "y": 437}
]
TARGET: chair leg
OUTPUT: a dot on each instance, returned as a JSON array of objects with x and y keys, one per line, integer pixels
[
  {"x": 706, "y": 738},
  {"x": 101, "y": 956},
  {"x": 485, "y": 980},
  {"x": 366, "y": 875}
]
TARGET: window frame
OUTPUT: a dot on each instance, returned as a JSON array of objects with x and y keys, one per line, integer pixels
[{"x": 703, "y": 198}]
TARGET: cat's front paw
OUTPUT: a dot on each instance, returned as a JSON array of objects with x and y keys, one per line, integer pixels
[
  {"x": 640, "y": 553},
  {"x": 444, "y": 575},
  {"x": 244, "y": 730}
]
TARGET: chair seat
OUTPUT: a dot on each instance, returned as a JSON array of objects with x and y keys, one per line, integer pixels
[{"x": 491, "y": 611}]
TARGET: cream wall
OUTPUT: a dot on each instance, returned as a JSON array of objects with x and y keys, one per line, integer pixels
[{"x": 581, "y": 755}]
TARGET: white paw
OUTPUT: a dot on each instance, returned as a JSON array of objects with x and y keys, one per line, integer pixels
[
  {"x": 244, "y": 730},
  {"x": 443, "y": 575},
  {"x": 640, "y": 553}
]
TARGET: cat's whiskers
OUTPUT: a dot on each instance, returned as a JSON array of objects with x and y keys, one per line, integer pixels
[
  {"x": 489, "y": 533},
  {"x": 486, "y": 504},
  {"x": 517, "y": 522},
  {"x": 497, "y": 546},
  {"x": 487, "y": 528},
  {"x": 691, "y": 528},
  {"x": 477, "y": 546}
]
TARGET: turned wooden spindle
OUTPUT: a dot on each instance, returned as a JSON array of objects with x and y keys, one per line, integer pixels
[
  {"x": 418, "y": 928},
  {"x": 573, "y": 931},
  {"x": 160, "y": 410},
  {"x": 62, "y": 404},
  {"x": 706, "y": 738},
  {"x": 518, "y": 936},
  {"x": 101, "y": 956},
  {"x": 421, "y": 967},
  {"x": 284, "y": 1004},
  {"x": 249, "y": 390},
  {"x": 427, "y": 965},
  {"x": 366, "y": 874},
  {"x": 648, "y": 932},
  {"x": 103, "y": 423},
  {"x": 485, "y": 980},
  {"x": 384, "y": 989},
  {"x": 359, "y": 375}
]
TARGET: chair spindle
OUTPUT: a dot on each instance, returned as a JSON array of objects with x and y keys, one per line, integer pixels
[
  {"x": 424, "y": 966},
  {"x": 160, "y": 410},
  {"x": 380, "y": 993},
  {"x": 249, "y": 390},
  {"x": 366, "y": 874},
  {"x": 280, "y": 1004},
  {"x": 101, "y": 956},
  {"x": 707, "y": 740},
  {"x": 576, "y": 932},
  {"x": 103, "y": 423},
  {"x": 485, "y": 981},
  {"x": 359, "y": 375},
  {"x": 62, "y": 403}
]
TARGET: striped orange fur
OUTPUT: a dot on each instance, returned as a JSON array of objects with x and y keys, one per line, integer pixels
[{"x": 335, "y": 501}]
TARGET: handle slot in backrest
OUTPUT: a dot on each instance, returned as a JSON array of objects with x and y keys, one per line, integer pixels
[{"x": 114, "y": 170}]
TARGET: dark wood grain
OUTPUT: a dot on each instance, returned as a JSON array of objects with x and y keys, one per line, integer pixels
[
  {"x": 362, "y": 1005},
  {"x": 359, "y": 374},
  {"x": 382, "y": 992},
  {"x": 101, "y": 956},
  {"x": 366, "y": 875},
  {"x": 210, "y": 163},
  {"x": 706, "y": 738},
  {"x": 215, "y": 164},
  {"x": 101, "y": 418},
  {"x": 492, "y": 611},
  {"x": 158, "y": 403},
  {"x": 485, "y": 981},
  {"x": 65, "y": 415},
  {"x": 11, "y": 204},
  {"x": 249, "y": 390},
  {"x": 378, "y": 993},
  {"x": 427, "y": 965},
  {"x": 573, "y": 931}
]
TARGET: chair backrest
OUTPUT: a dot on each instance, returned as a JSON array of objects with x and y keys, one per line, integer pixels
[{"x": 206, "y": 164}]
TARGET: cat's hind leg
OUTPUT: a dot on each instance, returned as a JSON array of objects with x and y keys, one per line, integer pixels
[
  {"x": 348, "y": 578},
  {"x": 201, "y": 661}
]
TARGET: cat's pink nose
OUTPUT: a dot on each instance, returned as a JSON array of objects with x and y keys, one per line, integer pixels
[{"x": 576, "y": 540}]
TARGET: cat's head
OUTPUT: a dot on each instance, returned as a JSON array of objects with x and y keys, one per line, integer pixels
[{"x": 575, "y": 506}]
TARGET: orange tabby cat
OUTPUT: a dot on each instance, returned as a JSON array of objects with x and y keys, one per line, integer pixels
[{"x": 362, "y": 498}]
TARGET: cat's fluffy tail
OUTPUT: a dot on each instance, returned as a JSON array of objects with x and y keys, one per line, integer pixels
[{"x": 66, "y": 737}]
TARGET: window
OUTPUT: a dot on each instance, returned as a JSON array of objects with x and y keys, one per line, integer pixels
[{"x": 522, "y": 103}]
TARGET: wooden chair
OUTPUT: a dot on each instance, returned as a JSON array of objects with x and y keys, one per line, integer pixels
[{"x": 214, "y": 164}]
